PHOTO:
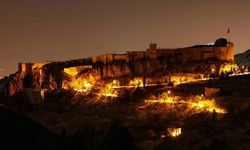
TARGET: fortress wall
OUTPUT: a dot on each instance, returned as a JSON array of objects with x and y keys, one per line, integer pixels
[
  {"x": 100, "y": 58},
  {"x": 52, "y": 73},
  {"x": 185, "y": 55},
  {"x": 111, "y": 71},
  {"x": 192, "y": 54},
  {"x": 225, "y": 53},
  {"x": 197, "y": 54},
  {"x": 25, "y": 67},
  {"x": 207, "y": 55},
  {"x": 203, "y": 53},
  {"x": 220, "y": 53},
  {"x": 38, "y": 65},
  {"x": 29, "y": 67},
  {"x": 109, "y": 58},
  {"x": 21, "y": 67},
  {"x": 230, "y": 54},
  {"x": 120, "y": 57},
  {"x": 208, "y": 52},
  {"x": 135, "y": 55},
  {"x": 166, "y": 52},
  {"x": 152, "y": 54}
]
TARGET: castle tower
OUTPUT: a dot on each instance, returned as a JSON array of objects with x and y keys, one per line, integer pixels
[
  {"x": 230, "y": 51},
  {"x": 152, "y": 50},
  {"x": 152, "y": 46},
  {"x": 224, "y": 50}
]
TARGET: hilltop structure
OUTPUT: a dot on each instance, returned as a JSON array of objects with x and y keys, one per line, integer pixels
[
  {"x": 152, "y": 63},
  {"x": 221, "y": 49}
]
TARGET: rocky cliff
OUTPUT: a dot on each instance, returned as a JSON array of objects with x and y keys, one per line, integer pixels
[
  {"x": 52, "y": 75},
  {"x": 12, "y": 84}
]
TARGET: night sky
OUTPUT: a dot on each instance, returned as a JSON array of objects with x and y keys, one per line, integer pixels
[{"x": 57, "y": 30}]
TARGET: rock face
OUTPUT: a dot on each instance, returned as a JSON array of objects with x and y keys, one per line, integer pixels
[
  {"x": 52, "y": 75},
  {"x": 243, "y": 59},
  {"x": 13, "y": 84}
]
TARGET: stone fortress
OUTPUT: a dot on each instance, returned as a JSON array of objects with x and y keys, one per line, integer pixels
[
  {"x": 153, "y": 63},
  {"x": 221, "y": 49}
]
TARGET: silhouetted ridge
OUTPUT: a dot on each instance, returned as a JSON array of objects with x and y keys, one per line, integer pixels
[{"x": 20, "y": 132}]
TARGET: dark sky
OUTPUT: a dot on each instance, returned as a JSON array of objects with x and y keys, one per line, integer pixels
[{"x": 38, "y": 30}]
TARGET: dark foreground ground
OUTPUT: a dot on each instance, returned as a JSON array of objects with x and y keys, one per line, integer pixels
[{"x": 64, "y": 122}]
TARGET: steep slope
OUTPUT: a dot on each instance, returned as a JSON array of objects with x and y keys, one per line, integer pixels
[{"x": 243, "y": 58}]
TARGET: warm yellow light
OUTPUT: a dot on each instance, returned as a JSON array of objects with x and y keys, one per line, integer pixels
[
  {"x": 109, "y": 90},
  {"x": 136, "y": 83},
  {"x": 174, "y": 132},
  {"x": 198, "y": 103},
  {"x": 81, "y": 84},
  {"x": 208, "y": 105},
  {"x": 42, "y": 93},
  {"x": 169, "y": 92},
  {"x": 71, "y": 71}
]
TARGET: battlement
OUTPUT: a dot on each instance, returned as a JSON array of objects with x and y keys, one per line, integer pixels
[{"x": 222, "y": 50}]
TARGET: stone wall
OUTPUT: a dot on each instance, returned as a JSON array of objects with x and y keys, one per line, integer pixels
[
  {"x": 153, "y": 61},
  {"x": 135, "y": 55},
  {"x": 120, "y": 57},
  {"x": 109, "y": 58}
]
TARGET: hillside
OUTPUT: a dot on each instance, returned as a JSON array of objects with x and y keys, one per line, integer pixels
[
  {"x": 243, "y": 58},
  {"x": 20, "y": 132}
]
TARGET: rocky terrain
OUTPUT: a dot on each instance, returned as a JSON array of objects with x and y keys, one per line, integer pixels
[
  {"x": 52, "y": 75},
  {"x": 84, "y": 122}
]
